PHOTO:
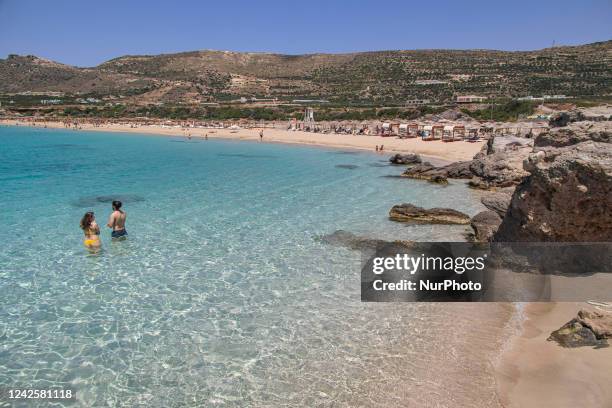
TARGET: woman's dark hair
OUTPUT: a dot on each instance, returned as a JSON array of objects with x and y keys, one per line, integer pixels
[
  {"x": 116, "y": 205},
  {"x": 87, "y": 220}
]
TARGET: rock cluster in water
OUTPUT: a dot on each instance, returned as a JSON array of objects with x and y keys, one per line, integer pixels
[
  {"x": 405, "y": 159},
  {"x": 556, "y": 187}
]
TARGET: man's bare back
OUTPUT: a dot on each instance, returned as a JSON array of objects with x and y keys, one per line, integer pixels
[{"x": 116, "y": 221}]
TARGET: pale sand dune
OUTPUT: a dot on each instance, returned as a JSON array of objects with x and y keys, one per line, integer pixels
[
  {"x": 452, "y": 151},
  {"x": 535, "y": 372}
]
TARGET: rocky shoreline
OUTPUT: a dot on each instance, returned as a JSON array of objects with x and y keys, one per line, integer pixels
[{"x": 554, "y": 188}]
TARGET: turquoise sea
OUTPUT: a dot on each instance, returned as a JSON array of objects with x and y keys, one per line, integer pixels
[{"x": 223, "y": 295}]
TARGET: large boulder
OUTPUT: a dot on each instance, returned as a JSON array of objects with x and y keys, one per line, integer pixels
[
  {"x": 412, "y": 213},
  {"x": 405, "y": 159},
  {"x": 498, "y": 201},
  {"x": 500, "y": 169},
  {"x": 484, "y": 224},
  {"x": 567, "y": 197},
  {"x": 589, "y": 328}
]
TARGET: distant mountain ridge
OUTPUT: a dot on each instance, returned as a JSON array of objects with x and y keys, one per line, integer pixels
[{"x": 377, "y": 76}]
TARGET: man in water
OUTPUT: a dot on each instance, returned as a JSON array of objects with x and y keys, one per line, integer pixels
[{"x": 116, "y": 221}]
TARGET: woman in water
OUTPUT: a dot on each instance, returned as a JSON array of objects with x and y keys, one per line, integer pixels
[{"x": 91, "y": 230}]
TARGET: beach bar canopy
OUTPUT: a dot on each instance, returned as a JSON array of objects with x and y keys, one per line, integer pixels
[
  {"x": 447, "y": 133},
  {"x": 427, "y": 132},
  {"x": 437, "y": 131},
  {"x": 408, "y": 130},
  {"x": 395, "y": 127}
]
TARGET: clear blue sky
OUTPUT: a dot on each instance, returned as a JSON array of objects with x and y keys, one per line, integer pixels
[{"x": 86, "y": 33}]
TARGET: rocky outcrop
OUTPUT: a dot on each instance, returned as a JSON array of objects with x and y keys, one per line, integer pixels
[
  {"x": 498, "y": 165},
  {"x": 504, "y": 143},
  {"x": 458, "y": 170},
  {"x": 498, "y": 201},
  {"x": 427, "y": 171},
  {"x": 412, "y": 213},
  {"x": 589, "y": 328},
  {"x": 561, "y": 119},
  {"x": 567, "y": 196},
  {"x": 484, "y": 224},
  {"x": 577, "y": 133},
  {"x": 499, "y": 169},
  {"x": 405, "y": 159}
]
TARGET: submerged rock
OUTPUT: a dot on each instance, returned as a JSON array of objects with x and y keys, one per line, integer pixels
[
  {"x": 346, "y": 166},
  {"x": 485, "y": 224},
  {"x": 439, "y": 179},
  {"x": 405, "y": 159},
  {"x": 96, "y": 200},
  {"x": 412, "y": 213},
  {"x": 352, "y": 241},
  {"x": 589, "y": 328}
]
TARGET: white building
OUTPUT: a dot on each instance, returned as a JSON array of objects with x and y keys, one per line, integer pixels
[{"x": 470, "y": 99}]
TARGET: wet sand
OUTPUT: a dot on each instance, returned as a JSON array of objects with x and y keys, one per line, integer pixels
[
  {"x": 447, "y": 152},
  {"x": 534, "y": 372}
]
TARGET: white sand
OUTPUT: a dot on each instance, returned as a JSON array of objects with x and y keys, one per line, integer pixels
[{"x": 448, "y": 152}]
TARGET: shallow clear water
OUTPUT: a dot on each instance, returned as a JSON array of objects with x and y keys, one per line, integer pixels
[{"x": 222, "y": 295}]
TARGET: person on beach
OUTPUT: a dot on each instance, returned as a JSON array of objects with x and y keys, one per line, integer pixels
[
  {"x": 91, "y": 230},
  {"x": 261, "y": 135},
  {"x": 381, "y": 147},
  {"x": 377, "y": 148},
  {"x": 116, "y": 221}
]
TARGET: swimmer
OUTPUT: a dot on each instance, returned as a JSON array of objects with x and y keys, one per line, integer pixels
[
  {"x": 116, "y": 221},
  {"x": 91, "y": 230}
]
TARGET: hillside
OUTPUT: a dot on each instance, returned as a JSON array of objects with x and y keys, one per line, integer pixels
[{"x": 369, "y": 77}]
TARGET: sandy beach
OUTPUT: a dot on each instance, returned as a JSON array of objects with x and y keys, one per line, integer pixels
[
  {"x": 443, "y": 151},
  {"x": 534, "y": 372}
]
